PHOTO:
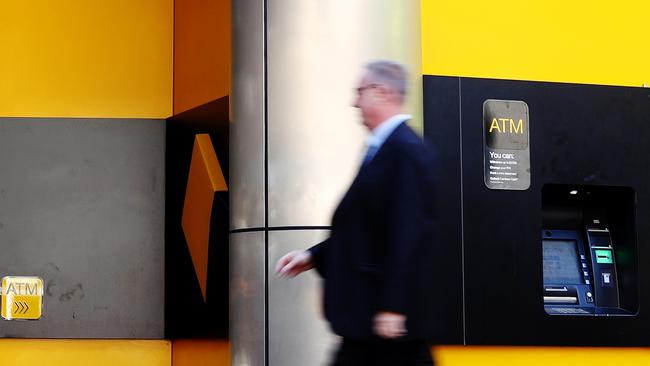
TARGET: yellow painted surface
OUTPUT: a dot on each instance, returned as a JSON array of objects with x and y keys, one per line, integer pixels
[
  {"x": 22, "y": 297},
  {"x": 200, "y": 352},
  {"x": 28, "y": 352},
  {"x": 202, "y": 52},
  {"x": 205, "y": 178},
  {"x": 78, "y": 58},
  {"x": 540, "y": 356},
  {"x": 595, "y": 42},
  {"x": 212, "y": 166}
]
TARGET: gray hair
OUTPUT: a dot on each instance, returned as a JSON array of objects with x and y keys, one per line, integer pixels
[{"x": 390, "y": 74}]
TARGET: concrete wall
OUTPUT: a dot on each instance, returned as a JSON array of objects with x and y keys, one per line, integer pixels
[{"x": 82, "y": 206}]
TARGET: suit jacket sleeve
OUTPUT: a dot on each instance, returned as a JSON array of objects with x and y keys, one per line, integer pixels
[
  {"x": 318, "y": 257},
  {"x": 406, "y": 211}
]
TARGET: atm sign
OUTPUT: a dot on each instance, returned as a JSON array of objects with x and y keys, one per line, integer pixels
[
  {"x": 505, "y": 123},
  {"x": 22, "y": 297}
]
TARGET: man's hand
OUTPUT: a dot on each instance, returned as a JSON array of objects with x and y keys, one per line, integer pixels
[
  {"x": 294, "y": 263},
  {"x": 389, "y": 325}
]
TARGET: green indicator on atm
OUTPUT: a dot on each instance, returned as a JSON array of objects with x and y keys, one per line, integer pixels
[{"x": 603, "y": 256}]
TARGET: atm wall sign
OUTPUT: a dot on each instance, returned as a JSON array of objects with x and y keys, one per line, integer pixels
[
  {"x": 22, "y": 297},
  {"x": 506, "y": 154}
]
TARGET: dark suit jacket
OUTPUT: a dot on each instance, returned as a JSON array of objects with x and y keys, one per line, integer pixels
[{"x": 381, "y": 240}]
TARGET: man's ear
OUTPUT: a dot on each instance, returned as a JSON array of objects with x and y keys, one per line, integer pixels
[
  {"x": 383, "y": 93},
  {"x": 391, "y": 95}
]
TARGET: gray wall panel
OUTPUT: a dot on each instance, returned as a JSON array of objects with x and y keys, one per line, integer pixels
[
  {"x": 297, "y": 330},
  {"x": 247, "y": 116},
  {"x": 316, "y": 51},
  {"x": 247, "y": 298},
  {"x": 82, "y": 206}
]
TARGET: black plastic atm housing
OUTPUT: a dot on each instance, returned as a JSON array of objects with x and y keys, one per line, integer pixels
[
  {"x": 587, "y": 138},
  {"x": 589, "y": 250}
]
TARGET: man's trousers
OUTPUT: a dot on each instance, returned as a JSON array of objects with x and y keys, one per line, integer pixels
[{"x": 383, "y": 353}]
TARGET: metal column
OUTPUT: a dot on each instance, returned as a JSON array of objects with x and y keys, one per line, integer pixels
[{"x": 296, "y": 143}]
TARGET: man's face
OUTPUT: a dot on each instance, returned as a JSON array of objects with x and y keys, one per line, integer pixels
[{"x": 367, "y": 101}]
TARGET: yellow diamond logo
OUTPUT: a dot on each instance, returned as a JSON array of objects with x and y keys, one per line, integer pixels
[{"x": 22, "y": 297}]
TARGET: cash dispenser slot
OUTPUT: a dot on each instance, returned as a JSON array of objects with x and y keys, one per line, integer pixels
[{"x": 560, "y": 295}]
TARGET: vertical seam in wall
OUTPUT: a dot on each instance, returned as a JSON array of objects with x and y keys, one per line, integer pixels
[
  {"x": 165, "y": 180},
  {"x": 173, "y": 55},
  {"x": 462, "y": 205},
  {"x": 164, "y": 221},
  {"x": 266, "y": 187}
]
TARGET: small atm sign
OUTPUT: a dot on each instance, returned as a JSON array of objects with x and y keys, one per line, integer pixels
[
  {"x": 506, "y": 150},
  {"x": 22, "y": 297}
]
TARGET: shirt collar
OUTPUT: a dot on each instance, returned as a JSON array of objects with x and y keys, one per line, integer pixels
[{"x": 379, "y": 135}]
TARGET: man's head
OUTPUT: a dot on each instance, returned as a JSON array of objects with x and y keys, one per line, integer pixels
[{"x": 381, "y": 92}]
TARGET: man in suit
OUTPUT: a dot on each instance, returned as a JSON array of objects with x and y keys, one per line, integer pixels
[{"x": 372, "y": 263}]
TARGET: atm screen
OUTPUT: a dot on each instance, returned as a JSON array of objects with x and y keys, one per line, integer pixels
[{"x": 561, "y": 265}]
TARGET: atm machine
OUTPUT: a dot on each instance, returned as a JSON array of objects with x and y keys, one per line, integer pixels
[
  {"x": 543, "y": 202},
  {"x": 579, "y": 252}
]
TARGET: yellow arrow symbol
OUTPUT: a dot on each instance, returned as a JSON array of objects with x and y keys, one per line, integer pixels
[{"x": 20, "y": 307}]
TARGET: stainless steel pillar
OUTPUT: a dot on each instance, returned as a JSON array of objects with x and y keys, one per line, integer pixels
[{"x": 296, "y": 143}]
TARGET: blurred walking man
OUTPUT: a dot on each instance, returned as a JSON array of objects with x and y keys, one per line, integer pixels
[{"x": 372, "y": 263}]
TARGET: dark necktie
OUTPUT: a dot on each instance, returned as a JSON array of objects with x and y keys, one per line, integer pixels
[{"x": 370, "y": 153}]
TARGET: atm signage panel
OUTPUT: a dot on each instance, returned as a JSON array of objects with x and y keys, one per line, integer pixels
[
  {"x": 506, "y": 150},
  {"x": 22, "y": 297}
]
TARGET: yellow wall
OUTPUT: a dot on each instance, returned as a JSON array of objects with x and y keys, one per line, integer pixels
[
  {"x": 540, "y": 356},
  {"x": 84, "y": 352},
  {"x": 79, "y": 58},
  {"x": 200, "y": 352},
  {"x": 594, "y": 42},
  {"x": 201, "y": 52}
]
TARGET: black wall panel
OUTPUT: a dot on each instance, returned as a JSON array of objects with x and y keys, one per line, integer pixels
[{"x": 579, "y": 135}]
